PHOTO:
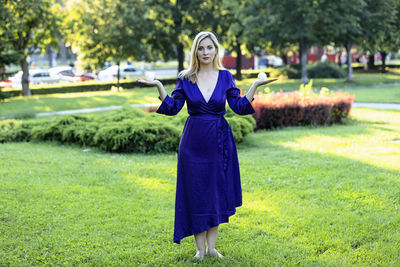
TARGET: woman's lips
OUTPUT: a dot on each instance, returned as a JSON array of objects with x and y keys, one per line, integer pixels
[{"x": 205, "y": 58}]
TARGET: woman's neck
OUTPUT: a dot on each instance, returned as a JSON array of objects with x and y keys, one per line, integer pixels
[{"x": 207, "y": 68}]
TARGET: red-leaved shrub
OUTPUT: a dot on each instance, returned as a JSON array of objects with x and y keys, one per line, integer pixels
[{"x": 297, "y": 108}]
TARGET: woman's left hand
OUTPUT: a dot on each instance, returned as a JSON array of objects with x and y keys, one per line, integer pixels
[{"x": 259, "y": 82}]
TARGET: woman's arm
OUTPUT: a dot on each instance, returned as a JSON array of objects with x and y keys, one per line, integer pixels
[{"x": 170, "y": 105}]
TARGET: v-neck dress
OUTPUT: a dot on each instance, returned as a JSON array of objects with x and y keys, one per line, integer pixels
[{"x": 208, "y": 186}]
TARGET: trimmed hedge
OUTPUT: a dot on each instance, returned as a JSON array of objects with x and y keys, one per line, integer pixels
[
  {"x": 74, "y": 88},
  {"x": 299, "y": 109},
  {"x": 127, "y": 130}
]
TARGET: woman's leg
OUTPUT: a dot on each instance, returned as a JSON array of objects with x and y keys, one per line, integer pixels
[
  {"x": 211, "y": 238},
  {"x": 200, "y": 243}
]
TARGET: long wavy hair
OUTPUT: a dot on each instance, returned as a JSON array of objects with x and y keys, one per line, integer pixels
[{"x": 191, "y": 72}]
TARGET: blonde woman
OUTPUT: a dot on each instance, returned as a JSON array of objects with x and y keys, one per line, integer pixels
[{"x": 208, "y": 179}]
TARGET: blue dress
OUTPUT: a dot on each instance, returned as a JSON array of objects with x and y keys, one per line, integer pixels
[{"x": 208, "y": 186}]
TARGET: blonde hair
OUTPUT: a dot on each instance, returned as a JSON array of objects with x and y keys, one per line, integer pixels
[{"x": 191, "y": 72}]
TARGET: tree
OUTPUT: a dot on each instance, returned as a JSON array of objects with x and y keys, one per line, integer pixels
[
  {"x": 27, "y": 26},
  {"x": 104, "y": 30},
  {"x": 177, "y": 22},
  {"x": 381, "y": 28},
  {"x": 235, "y": 16},
  {"x": 292, "y": 22},
  {"x": 343, "y": 26}
]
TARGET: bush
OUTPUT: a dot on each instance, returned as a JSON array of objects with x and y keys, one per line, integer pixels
[
  {"x": 79, "y": 87},
  {"x": 317, "y": 70},
  {"x": 126, "y": 130},
  {"x": 325, "y": 70},
  {"x": 299, "y": 108}
]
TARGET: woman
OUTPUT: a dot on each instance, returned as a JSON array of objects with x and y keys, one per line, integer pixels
[{"x": 208, "y": 179}]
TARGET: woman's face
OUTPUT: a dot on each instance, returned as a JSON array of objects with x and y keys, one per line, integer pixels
[{"x": 206, "y": 51}]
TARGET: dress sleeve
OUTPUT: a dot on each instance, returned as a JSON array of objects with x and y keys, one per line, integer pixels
[
  {"x": 239, "y": 104},
  {"x": 174, "y": 103}
]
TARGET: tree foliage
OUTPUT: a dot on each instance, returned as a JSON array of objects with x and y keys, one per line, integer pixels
[
  {"x": 103, "y": 30},
  {"x": 27, "y": 26}
]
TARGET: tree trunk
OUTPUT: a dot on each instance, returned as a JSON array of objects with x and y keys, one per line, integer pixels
[
  {"x": 383, "y": 55},
  {"x": 25, "y": 77},
  {"x": 303, "y": 62},
  {"x": 349, "y": 65},
  {"x": 283, "y": 55},
  {"x": 51, "y": 56},
  {"x": 371, "y": 62},
  {"x": 181, "y": 57},
  {"x": 118, "y": 74},
  {"x": 238, "y": 61}
]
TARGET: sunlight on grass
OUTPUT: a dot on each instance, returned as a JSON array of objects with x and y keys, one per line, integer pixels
[
  {"x": 368, "y": 147},
  {"x": 261, "y": 203},
  {"x": 150, "y": 183}
]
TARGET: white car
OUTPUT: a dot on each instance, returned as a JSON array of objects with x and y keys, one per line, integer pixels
[
  {"x": 125, "y": 71},
  {"x": 269, "y": 61},
  {"x": 35, "y": 76}
]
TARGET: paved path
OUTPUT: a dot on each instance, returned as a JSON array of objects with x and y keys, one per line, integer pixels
[
  {"x": 87, "y": 110},
  {"x": 377, "y": 105}
]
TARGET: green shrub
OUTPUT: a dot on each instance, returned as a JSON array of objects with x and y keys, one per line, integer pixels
[
  {"x": 126, "y": 130},
  {"x": 325, "y": 70},
  {"x": 292, "y": 71},
  {"x": 317, "y": 70}
]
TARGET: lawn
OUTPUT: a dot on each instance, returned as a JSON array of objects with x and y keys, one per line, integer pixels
[
  {"x": 384, "y": 94},
  {"x": 58, "y": 102},
  {"x": 326, "y": 196}
]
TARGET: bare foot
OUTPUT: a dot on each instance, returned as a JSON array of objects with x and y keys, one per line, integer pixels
[
  {"x": 199, "y": 255},
  {"x": 214, "y": 252}
]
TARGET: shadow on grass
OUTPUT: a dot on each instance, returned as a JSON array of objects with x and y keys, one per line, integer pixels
[{"x": 300, "y": 207}]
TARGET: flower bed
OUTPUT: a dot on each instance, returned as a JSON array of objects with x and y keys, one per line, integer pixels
[{"x": 301, "y": 108}]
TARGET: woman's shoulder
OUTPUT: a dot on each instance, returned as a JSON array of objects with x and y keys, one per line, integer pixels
[{"x": 226, "y": 73}]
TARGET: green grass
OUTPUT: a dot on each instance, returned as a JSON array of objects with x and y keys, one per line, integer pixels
[
  {"x": 58, "y": 102},
  {"x": 325, "y": 196},
  {"x": 386, "y": 94}
]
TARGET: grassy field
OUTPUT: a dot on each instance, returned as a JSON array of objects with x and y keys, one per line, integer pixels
[
  {"x": 325, "y": 196},
  {"x": 384, "y": 94},
  {"x": 57, "y": 102}
]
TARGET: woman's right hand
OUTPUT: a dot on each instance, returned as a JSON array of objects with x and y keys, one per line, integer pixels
[{"x": 156, "y": 83}]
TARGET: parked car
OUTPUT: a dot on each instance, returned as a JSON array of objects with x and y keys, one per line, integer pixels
[
  {"x": 110, "y": 73},
  {"x": 5, "y": 83},
  {"x": 64, "y": 73},
  {"x": 35, "y": 76},
  {"x": 68, "y": 74},
  {"x": 87, "y": 76},
  {"x": 269, "y": 61}
]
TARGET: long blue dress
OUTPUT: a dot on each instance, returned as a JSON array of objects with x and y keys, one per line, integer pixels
[{"x": 208, "y": 178}]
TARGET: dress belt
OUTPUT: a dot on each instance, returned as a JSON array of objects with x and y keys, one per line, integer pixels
[{"x": 222, "y": 134}]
